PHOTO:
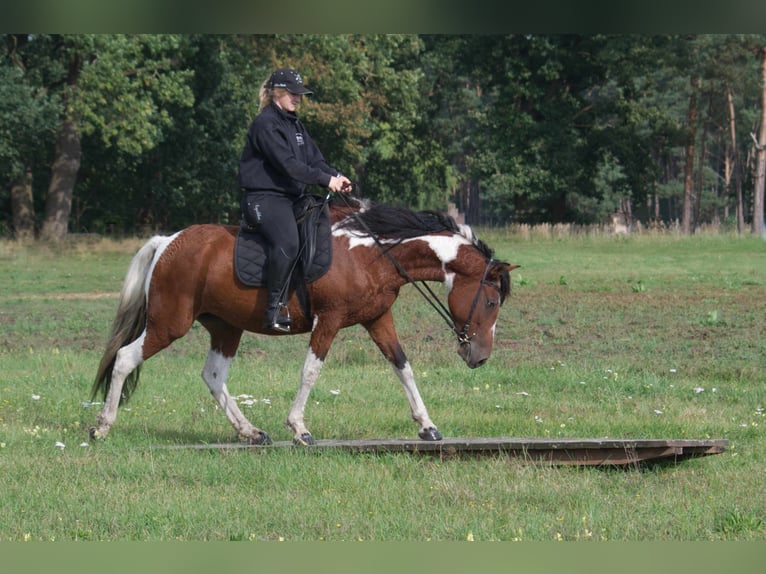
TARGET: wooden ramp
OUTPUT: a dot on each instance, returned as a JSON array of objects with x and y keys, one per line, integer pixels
[{"x": 572, "y": 451}]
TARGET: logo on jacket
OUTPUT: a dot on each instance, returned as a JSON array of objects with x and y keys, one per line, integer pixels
[{"x": 299, "y": 138}]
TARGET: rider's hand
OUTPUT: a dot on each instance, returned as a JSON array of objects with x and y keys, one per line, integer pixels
[{"x": 340, "y": 183}]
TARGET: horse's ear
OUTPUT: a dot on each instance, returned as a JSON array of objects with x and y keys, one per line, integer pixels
[{"x": 503, "y": 268}]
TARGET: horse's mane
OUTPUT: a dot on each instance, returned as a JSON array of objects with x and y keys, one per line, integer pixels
[
  {"x": 399, "y": 223},
  {"x": 367, "y": 219}
]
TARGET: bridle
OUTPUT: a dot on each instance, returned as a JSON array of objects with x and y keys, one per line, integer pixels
[{"x": 463, "y": 337}]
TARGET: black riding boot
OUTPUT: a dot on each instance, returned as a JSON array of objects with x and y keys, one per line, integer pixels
[
  {"x": 277, "y": 316},
  {"x": 278, "y": 272}
]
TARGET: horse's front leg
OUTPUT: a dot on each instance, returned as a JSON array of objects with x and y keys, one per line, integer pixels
[
  {"x": 321, "y": 338},
  {"x": 383, "y": 332},
  {"x": 224, "y": 341}
]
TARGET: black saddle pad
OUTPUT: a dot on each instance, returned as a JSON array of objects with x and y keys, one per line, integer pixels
[{"x": 316, "y": 248}]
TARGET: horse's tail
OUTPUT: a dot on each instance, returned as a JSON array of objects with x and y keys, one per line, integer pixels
[{"x": 130, "y": 320}]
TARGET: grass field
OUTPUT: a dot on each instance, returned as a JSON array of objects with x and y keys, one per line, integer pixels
[{"x": 641, "y": 337}]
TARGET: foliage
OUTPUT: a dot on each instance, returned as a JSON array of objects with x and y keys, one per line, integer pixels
[
  {"x": 187, "y": 176},
  {"x": 127, "y": 89},
  {"x": 27, "y": 117},
  {"x": 510, "y": 128}
]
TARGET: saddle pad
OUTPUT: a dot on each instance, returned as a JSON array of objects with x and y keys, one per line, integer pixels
[
  {"x": 314, "y": 261},
  {"x": 250, "y": 258}
]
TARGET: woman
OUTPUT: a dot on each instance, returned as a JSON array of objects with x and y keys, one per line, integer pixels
[{"x": 278, "y": 161}]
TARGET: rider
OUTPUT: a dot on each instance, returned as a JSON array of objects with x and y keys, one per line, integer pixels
[{"x": 278, "y": 161}]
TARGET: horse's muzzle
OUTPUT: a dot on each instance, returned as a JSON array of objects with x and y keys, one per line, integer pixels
[{"x": 473, "y": 355}]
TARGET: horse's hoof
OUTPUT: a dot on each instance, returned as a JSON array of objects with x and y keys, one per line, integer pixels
[
  {"x": 304, "y": 440},
  {"x": 263, "y": 439},
  {"x": 430, "y": 434}
]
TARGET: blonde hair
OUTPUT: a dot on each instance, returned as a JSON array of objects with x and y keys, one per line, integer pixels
[{"x": 267, "y": 94}]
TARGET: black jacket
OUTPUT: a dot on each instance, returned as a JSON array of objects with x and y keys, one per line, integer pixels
[{"x": 279, "y": 155}]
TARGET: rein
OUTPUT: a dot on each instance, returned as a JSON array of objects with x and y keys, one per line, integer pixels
[{"x": 463, "y": 337}]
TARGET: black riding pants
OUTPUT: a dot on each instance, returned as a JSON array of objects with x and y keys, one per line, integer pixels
[{"x": 272, "y": 215}]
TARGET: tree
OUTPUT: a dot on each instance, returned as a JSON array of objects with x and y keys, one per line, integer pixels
[
  {"x": 115, "y": 86},
  {"x": 527, "y": 145},
  {"x": 459, "y": 102},
  {"x": 736, "y": 160},
  {"x": 637, "y": 122},
  {"x": 189, "y": 175},
  {"x": 687, "y": 222},
  {"x": 27, "y": 118},
  {"x": 760, "y": 173},
  {"x": 727, "y": 74},
  {"x": 133, "y": 132}
]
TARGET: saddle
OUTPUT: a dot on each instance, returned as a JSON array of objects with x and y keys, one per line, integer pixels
[{"x": 315, "y": 257}]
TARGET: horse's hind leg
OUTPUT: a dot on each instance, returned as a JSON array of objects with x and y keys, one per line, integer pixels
[
  {"x": 224, "y": 341},
  {"x": 127, "y": 360}
]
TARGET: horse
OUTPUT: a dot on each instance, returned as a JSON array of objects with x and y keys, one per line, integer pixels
[{"x": 173, "y": 281}]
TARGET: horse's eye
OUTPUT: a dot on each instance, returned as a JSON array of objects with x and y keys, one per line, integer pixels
[{"x": 491, "y": 303}]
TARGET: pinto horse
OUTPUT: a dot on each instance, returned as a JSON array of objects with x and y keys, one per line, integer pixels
[{"x": 174, "y": 280}]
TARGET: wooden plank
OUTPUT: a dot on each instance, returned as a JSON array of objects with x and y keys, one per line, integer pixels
[{"x": 572, "y": 451}]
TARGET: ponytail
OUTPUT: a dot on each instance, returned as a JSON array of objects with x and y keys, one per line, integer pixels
[{"x": 265, "y": 95}]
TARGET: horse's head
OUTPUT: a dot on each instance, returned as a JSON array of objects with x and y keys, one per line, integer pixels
[
  {"x": 474, "y": 300},
  {"x": 477, "y": 283}
]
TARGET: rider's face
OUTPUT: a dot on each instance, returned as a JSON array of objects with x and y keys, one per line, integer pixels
[{"x": 286, "y": 101}]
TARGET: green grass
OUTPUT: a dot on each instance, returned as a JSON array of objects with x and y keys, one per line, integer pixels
[{"x": 644, "y": 337}]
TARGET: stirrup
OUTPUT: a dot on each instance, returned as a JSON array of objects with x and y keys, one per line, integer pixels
[
  {"x": 279, "y": 321},
  {"x": 282, "y": 327}
]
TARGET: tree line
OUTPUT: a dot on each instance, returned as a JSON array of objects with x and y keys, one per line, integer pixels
[{"x": 122, "y": 134}]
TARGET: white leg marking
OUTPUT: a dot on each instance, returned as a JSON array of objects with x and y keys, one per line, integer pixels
[
  {"x": 311, "y": 369},
  {"x": 127, "y": 360},
  {"x": 215, "y": 373},
  {"x": 417, "y": 406}
]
